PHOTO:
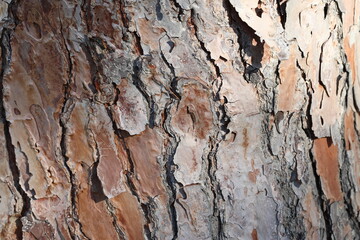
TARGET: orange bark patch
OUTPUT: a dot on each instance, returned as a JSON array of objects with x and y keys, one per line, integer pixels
[
  {"x": 350, "y": 55},
  {"x": 267, "y": 54},
  {"x": 287, "y": 89},
  {"x": 91, "y": 214},
  {"x": 252, "y": 175},
  {"x": 245, "y": 142},
  {"x": 350, "y": 134},
  {"x": 254, "y": 234},
  {"x": 78, "y": 147},
  {"x": 111, "y": 167},
  {"x": 352, "y": 143},
  {"x": 194, "y": 114},
  {"x": 42, "y": 230},
  {"x": 145, "y": 148},
  {"x": 327, "y": 166},
  {"x": 149, "y": 34},
  {"x": 129, "y": 216},
  {"x": 311, "y": 214}
]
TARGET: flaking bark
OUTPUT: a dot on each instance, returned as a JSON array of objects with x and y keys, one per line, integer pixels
[{"x": 177, "y": 119}]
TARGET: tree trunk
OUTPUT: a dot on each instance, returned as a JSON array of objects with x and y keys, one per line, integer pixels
[{"x": 179, "y": 119}]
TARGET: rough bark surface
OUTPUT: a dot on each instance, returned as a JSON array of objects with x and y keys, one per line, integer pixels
[{"x": 180, "y": 119}]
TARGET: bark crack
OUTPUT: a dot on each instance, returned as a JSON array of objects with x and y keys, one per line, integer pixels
[
  {"x": 179, "y": 8},
  {"x": 117, "y": 228},
  {"x": 15, "y": 172},
  {"x": 129, "y": 176},
  {"x": 66, "y": 110},
  {"x": 6, "y": 34},
  {"x": 146, "y": 207},
  {"x": 169, "y": 166},
  {"x": 142, "y": 89},
  {"x": 347, "y": 186},
  {"x": 215, "y": 186},
  {"x": 224, "y": 119},
  {"x": 320, "y": 64},
  {"x": 215, "y": 140},
  {"x": 324, "y": 204},
  {"x": 202, "y": 44},
  {"x": 172, "y": 146},
  {"x": 245, "y": 36},
  {"x": 308, "y": 117},
  {"x": 167, "y": 63},
  {"x": 281, "y": 8},
  {"x": 347, "y": 183}
]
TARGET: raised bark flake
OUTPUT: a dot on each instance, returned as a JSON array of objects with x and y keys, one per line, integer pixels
[{"x": 176, "y": 119}]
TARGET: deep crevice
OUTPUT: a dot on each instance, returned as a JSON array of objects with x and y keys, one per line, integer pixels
[
  {"x": 15, "y": 172},
  {"x": 221, "y": 114},
  {"x": 308, "y": 117},
  {"x": 215, "y": 187},
  {"x": 68, "y": 106},
  {"x": 117, "y": 228},
  {"x": 320, "y": 64},
  {"x": 179, "y": 8},
  {"x": 281, "y": 9},
  {"x": 202, "y": 44},
  {"x": 347, "y": 186},
  {"x": 323, "y": 203},
  {"x": 96, "y": 190},
  {"x": 340, "y": 13},
  {"x": 326, "y": 9},
  {"x": 122, "y": 135},
  {"x": 246, "y": 37},
  {"x": 169, "y": 168},
  {"x": 147, "y": 214},
  {"x": 137, "y": 68},
  {"x": 347, "y": 183}
]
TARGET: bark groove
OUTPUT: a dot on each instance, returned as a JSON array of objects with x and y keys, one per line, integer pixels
[{"x": 179, "y": 119}]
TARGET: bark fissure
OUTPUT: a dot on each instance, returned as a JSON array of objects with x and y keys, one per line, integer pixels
[
  {"x": 235, "y": 23},
  {"x": 347, "y": 187},
  {"x": 281, "y": 8},
  {"x": 147, "y": 214},
  {"x": 5, "y": 63},
  {"x": 168, "y": 64},
  {"x": 170, "y": 167},
  {"x": 320, "y": 64},
  {"x": 245, "y": 36},
  {"x": 179, "y": 8},
  {"x": 202, "y": 44},
  {"x": 130, "y": 176},
  {"x": 66, "y": 110},
  {"x": 179, "y": 119},
  {"x": 323, "y": 203},
  {"x": 142, "y": 89},
  {"x": 215, "y": 188},
  {"x": 308, "y": 128},
  {"x": 221, "y": 109},
  {"x": 118, "y": 230}
]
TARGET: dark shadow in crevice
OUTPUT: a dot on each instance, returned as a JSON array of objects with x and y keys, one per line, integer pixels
[
  {"x": 250, "y": 44},
  {"x": 281, "y": 9},
  {"x": 259, "y": 12},
  {"x": 96, "y": 189},
  {"x": 159, "y": 14}
]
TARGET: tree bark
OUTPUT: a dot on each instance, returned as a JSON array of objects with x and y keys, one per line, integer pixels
[{"x": 179, "y": 119}]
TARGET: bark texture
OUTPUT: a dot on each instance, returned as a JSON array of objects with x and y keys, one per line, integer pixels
[{"x": 180, "y": 119}]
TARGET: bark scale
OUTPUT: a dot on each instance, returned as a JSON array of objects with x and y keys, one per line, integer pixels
[{"x": 178, "y": 119}]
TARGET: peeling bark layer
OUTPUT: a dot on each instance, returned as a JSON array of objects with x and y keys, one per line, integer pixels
[{"x": 177, "y": 119}]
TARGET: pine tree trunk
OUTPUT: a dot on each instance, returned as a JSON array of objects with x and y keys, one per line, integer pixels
[{"x": 180, "y": 119}]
